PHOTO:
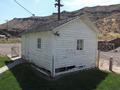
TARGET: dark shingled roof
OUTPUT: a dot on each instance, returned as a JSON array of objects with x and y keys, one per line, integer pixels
[
  {"x": 48, "y": 23},
  {"x": 48, "y": 26}
]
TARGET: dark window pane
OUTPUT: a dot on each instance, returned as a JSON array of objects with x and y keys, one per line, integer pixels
[
  {"x": 39, "y": 43},
  {"x": 80, "y": 44}
]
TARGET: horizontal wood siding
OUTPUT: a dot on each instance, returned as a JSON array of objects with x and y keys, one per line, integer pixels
[
  {"x": 66, "y": 43},
  {"x": 39, "y": 56}
]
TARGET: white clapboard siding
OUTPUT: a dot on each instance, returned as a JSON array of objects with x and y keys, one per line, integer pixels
[
  {"x": 41, "y": 57},
  {"x": 66, "y": 43}
]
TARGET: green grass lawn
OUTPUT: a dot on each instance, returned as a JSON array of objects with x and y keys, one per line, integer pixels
[
  {"x": 23, "y": 78},
  {"x": 3, "y": 60}
]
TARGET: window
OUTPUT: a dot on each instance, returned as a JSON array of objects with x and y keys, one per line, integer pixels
[
  {"x": 80, "y": 44},
  {"x": 39, "y": 43}
]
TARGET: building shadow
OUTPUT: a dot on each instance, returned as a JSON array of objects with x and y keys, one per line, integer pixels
[{"x": 83, "y": 80}]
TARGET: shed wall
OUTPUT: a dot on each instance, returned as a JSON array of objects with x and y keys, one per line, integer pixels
[
  {"x": 41, "y": 57},
  {"x": 66, "y": 53}
]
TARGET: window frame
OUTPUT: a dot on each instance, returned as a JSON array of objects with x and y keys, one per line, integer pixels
[{"x": 80, "y": 44}]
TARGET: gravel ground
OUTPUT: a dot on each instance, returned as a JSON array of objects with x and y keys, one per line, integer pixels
[
  {"x": 5, "y": 49},
  {"x": 115, "y": 54},
  {"x": 105, "y": 58}
]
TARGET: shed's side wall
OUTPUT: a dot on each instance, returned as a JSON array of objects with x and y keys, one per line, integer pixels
[
  {"x": 65, "y": 46},
  {"x": 41, "y": 57},
  {"x": 24, "y": 46}
]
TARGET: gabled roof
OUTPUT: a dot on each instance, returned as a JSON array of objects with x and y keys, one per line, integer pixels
[{"x": 49, "y": 26}]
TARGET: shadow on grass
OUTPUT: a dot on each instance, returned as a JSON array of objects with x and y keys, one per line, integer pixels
[
  {"x": 85, "y": 80},
  {"x": 8, "y": 62}
]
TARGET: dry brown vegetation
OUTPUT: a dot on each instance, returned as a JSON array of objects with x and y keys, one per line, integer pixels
[
  {"x": 106, "y": 18},
  {"x": 10, "y": 40}
]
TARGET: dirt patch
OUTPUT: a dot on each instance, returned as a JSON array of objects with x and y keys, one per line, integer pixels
[
  {"x": 5, "y": 49},
  {"x": 104, "y": 63}
]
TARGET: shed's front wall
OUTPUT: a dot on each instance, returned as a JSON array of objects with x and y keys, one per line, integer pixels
[
  {"x": 66, "y": 53},
  {"x": 41, "y": 57}
]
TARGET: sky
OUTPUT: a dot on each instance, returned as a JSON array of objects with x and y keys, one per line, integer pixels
[{"x": 9, "y": 9}]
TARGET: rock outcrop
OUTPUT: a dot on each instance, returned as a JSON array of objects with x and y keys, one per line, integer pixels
[{"x": 106, "y": 18}]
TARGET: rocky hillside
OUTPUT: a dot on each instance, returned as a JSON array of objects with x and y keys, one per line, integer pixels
[{"x": 106, "y": 18}]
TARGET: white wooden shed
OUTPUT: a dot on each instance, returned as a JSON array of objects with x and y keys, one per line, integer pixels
[{"x": 60, "y": 47}]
